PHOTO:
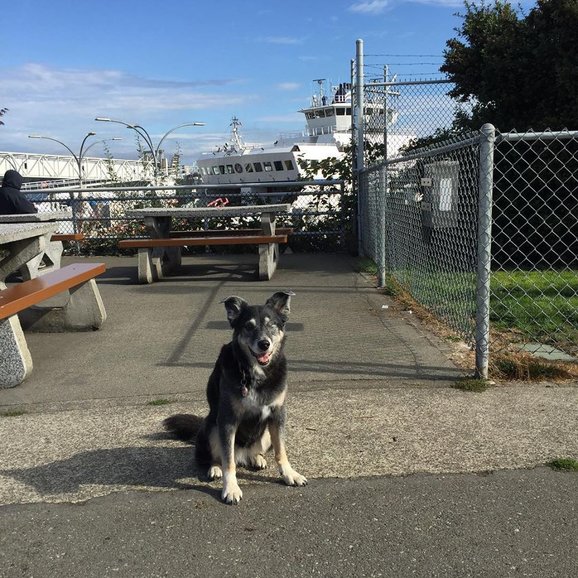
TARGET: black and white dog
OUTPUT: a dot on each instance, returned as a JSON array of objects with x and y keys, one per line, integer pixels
[{"x": 246, "y": 394}]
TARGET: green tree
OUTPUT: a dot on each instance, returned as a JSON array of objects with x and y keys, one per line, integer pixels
[{"x": 516, "y": 71}]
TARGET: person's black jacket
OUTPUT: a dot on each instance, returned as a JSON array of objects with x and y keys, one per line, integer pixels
[{"x": 12, "y": 201}]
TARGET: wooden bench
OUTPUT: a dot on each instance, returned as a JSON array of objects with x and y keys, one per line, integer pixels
[
  {"x": 67, "y": 237},
  {"x": 155, "y": 256},
  {"x": 63, "y": 300}
]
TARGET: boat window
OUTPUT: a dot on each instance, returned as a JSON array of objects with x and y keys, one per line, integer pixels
[
  {"x": 319, "y": 114},
  {"x": 229, "y": 169},
  {"x": 222, "y": 169},
  {"x": 329, "y": 112},
  {"x": 268, "y": 166},
  {"x": 289, "y": 165},
  {"x": 347, "y": 112},
  {"x": 258, "y": 167},
  {"x": 309, "y": 115},
  {"x": 340, "y": 111},
  {"x": 249, "y": 167},
  {"x": 278, "y": 165},
  {"x": 215, "y": 170},
  {"x": 238, "y": 168}
]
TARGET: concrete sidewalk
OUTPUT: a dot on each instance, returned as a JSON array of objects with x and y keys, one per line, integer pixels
[
  {"x": 369, "y": 394},
  {"x": 90, "y": 486}
]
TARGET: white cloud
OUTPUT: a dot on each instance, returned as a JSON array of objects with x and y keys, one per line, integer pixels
[
  {"x": 282, "y": 40},
  {"x": 62, "y": 103},
  {"x": 288, "y": 86},
  {"x": 379, "y": 6},
  {"x": 370, "y": 7}
]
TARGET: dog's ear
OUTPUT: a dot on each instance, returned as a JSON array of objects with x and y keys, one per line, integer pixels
[
  {"x": 280, "y": 302},
  {"x": 234, "y": 305}
]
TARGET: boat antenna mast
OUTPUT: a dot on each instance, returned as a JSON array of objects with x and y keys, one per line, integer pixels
[
  {"x": 319, "y": 98},
  {"x": 236, "y": 139}
]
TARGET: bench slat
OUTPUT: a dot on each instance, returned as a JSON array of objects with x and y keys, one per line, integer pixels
[
  {"x": 184, "y": 242},
  {"x": 23, "y": 295},
  {"x": 67, "y": 237}
]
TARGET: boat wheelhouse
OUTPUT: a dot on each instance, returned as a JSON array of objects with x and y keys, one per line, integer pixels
[{"x": 328, "y": 132}]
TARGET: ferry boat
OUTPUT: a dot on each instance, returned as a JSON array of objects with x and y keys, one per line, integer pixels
[{"x": 328, "y": 131}]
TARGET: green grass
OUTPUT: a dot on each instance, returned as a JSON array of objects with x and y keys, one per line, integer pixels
[
  {"x": 471, "y": 384},
  {"x": 159, "y": 402},
  {"x": 366, "y": 265},
  {"x": 13, "y": 413},
  {"x": 564, "y": 464},
  {"x": 542, "y": 305}
]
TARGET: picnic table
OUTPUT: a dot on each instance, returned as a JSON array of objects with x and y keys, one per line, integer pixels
[
  {"x": 22, "y": 246},
  {"x": 50, "y": 299},
  {"x": 48, "y": 258},
  {"x": 161, "y": 252}
]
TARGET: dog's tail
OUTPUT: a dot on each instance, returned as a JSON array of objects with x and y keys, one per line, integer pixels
[{"x": 184, "y": 426}]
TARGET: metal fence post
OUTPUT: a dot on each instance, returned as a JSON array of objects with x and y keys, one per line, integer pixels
[
  {"x": 381, "y": 224},
  {"x": 484, "y": 256}
]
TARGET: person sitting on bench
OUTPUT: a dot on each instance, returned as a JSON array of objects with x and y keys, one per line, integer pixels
[{"x": 12, "y": 200}]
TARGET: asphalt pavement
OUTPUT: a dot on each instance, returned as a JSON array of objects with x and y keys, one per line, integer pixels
[{"x": 408, "y": 476}]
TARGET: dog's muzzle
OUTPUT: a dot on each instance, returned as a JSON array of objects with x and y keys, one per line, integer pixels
[{"x": 264, "y": 357}]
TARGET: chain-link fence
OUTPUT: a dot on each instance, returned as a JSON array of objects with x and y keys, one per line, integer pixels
[
  {"x": 417, "y": 112},
  {"x": 426, "y": 221},
  {"x": 535, "y": 244},
  {"x": 420, "y": 226},
  {"x": 319, "y": 212}
]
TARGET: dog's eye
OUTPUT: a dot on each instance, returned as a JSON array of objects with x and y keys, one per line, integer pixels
[{"x": 250, "y": 324}]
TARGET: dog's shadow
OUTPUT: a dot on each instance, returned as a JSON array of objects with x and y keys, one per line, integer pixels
[{"x": 127, "y": 468}]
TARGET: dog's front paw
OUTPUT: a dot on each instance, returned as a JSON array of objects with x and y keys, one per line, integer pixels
[
  {"x": 258, "y": 462},
  {"x": 293, "y": 478},
  {"x": 232, "y": 493},
  {"x": 215, "y": 473}
]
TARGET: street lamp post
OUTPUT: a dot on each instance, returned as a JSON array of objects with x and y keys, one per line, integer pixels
[
  {"x": 77, "y": 158},
  {"x": 143, "y": 133},
  {"x": 82, "y": 152}
]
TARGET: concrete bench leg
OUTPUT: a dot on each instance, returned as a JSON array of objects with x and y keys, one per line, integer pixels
[
  {"x": 83, "y": 311},
  {"x": 22, "y": 252},
  {"x": 147, "y": 270},
  {"x": 268, "y": 259},
  {"x": 15, "y": 358},
  {"x": 268, "y": 254},
  {"x": 44, "y": 263},
  {"x": 156, "y": 263}
]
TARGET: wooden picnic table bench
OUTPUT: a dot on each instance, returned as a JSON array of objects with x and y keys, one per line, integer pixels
[
  {"x": 66, "y": 299},
  {"x": 67, "y": 237},
  {"x": 161, "y": 252}
]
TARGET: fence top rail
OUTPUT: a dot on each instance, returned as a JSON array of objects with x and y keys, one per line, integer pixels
[
  {"x": 369, "y": 85},
  {"x": 544, "y": 135},
  {"x": 224, "y": 187},
  {"x": 429, "y": 152}
]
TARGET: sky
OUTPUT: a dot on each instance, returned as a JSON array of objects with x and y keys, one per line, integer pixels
[{"x": 162, "y": 64}]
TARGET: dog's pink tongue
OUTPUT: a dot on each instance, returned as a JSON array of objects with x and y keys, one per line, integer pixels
[{"x": 264, "y": 358}]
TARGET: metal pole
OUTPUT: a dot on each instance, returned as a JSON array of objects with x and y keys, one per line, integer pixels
[
  {"x": 383, "y": 194},
  {"x": 362, "y": 191},
  {"x": 359, "y": 105},
  {"x": 355, "y": 183},
  {"x": 486, "y": 182}
]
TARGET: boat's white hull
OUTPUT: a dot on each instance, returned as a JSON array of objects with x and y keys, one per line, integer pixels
[{"x": 261, "y": 165}]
